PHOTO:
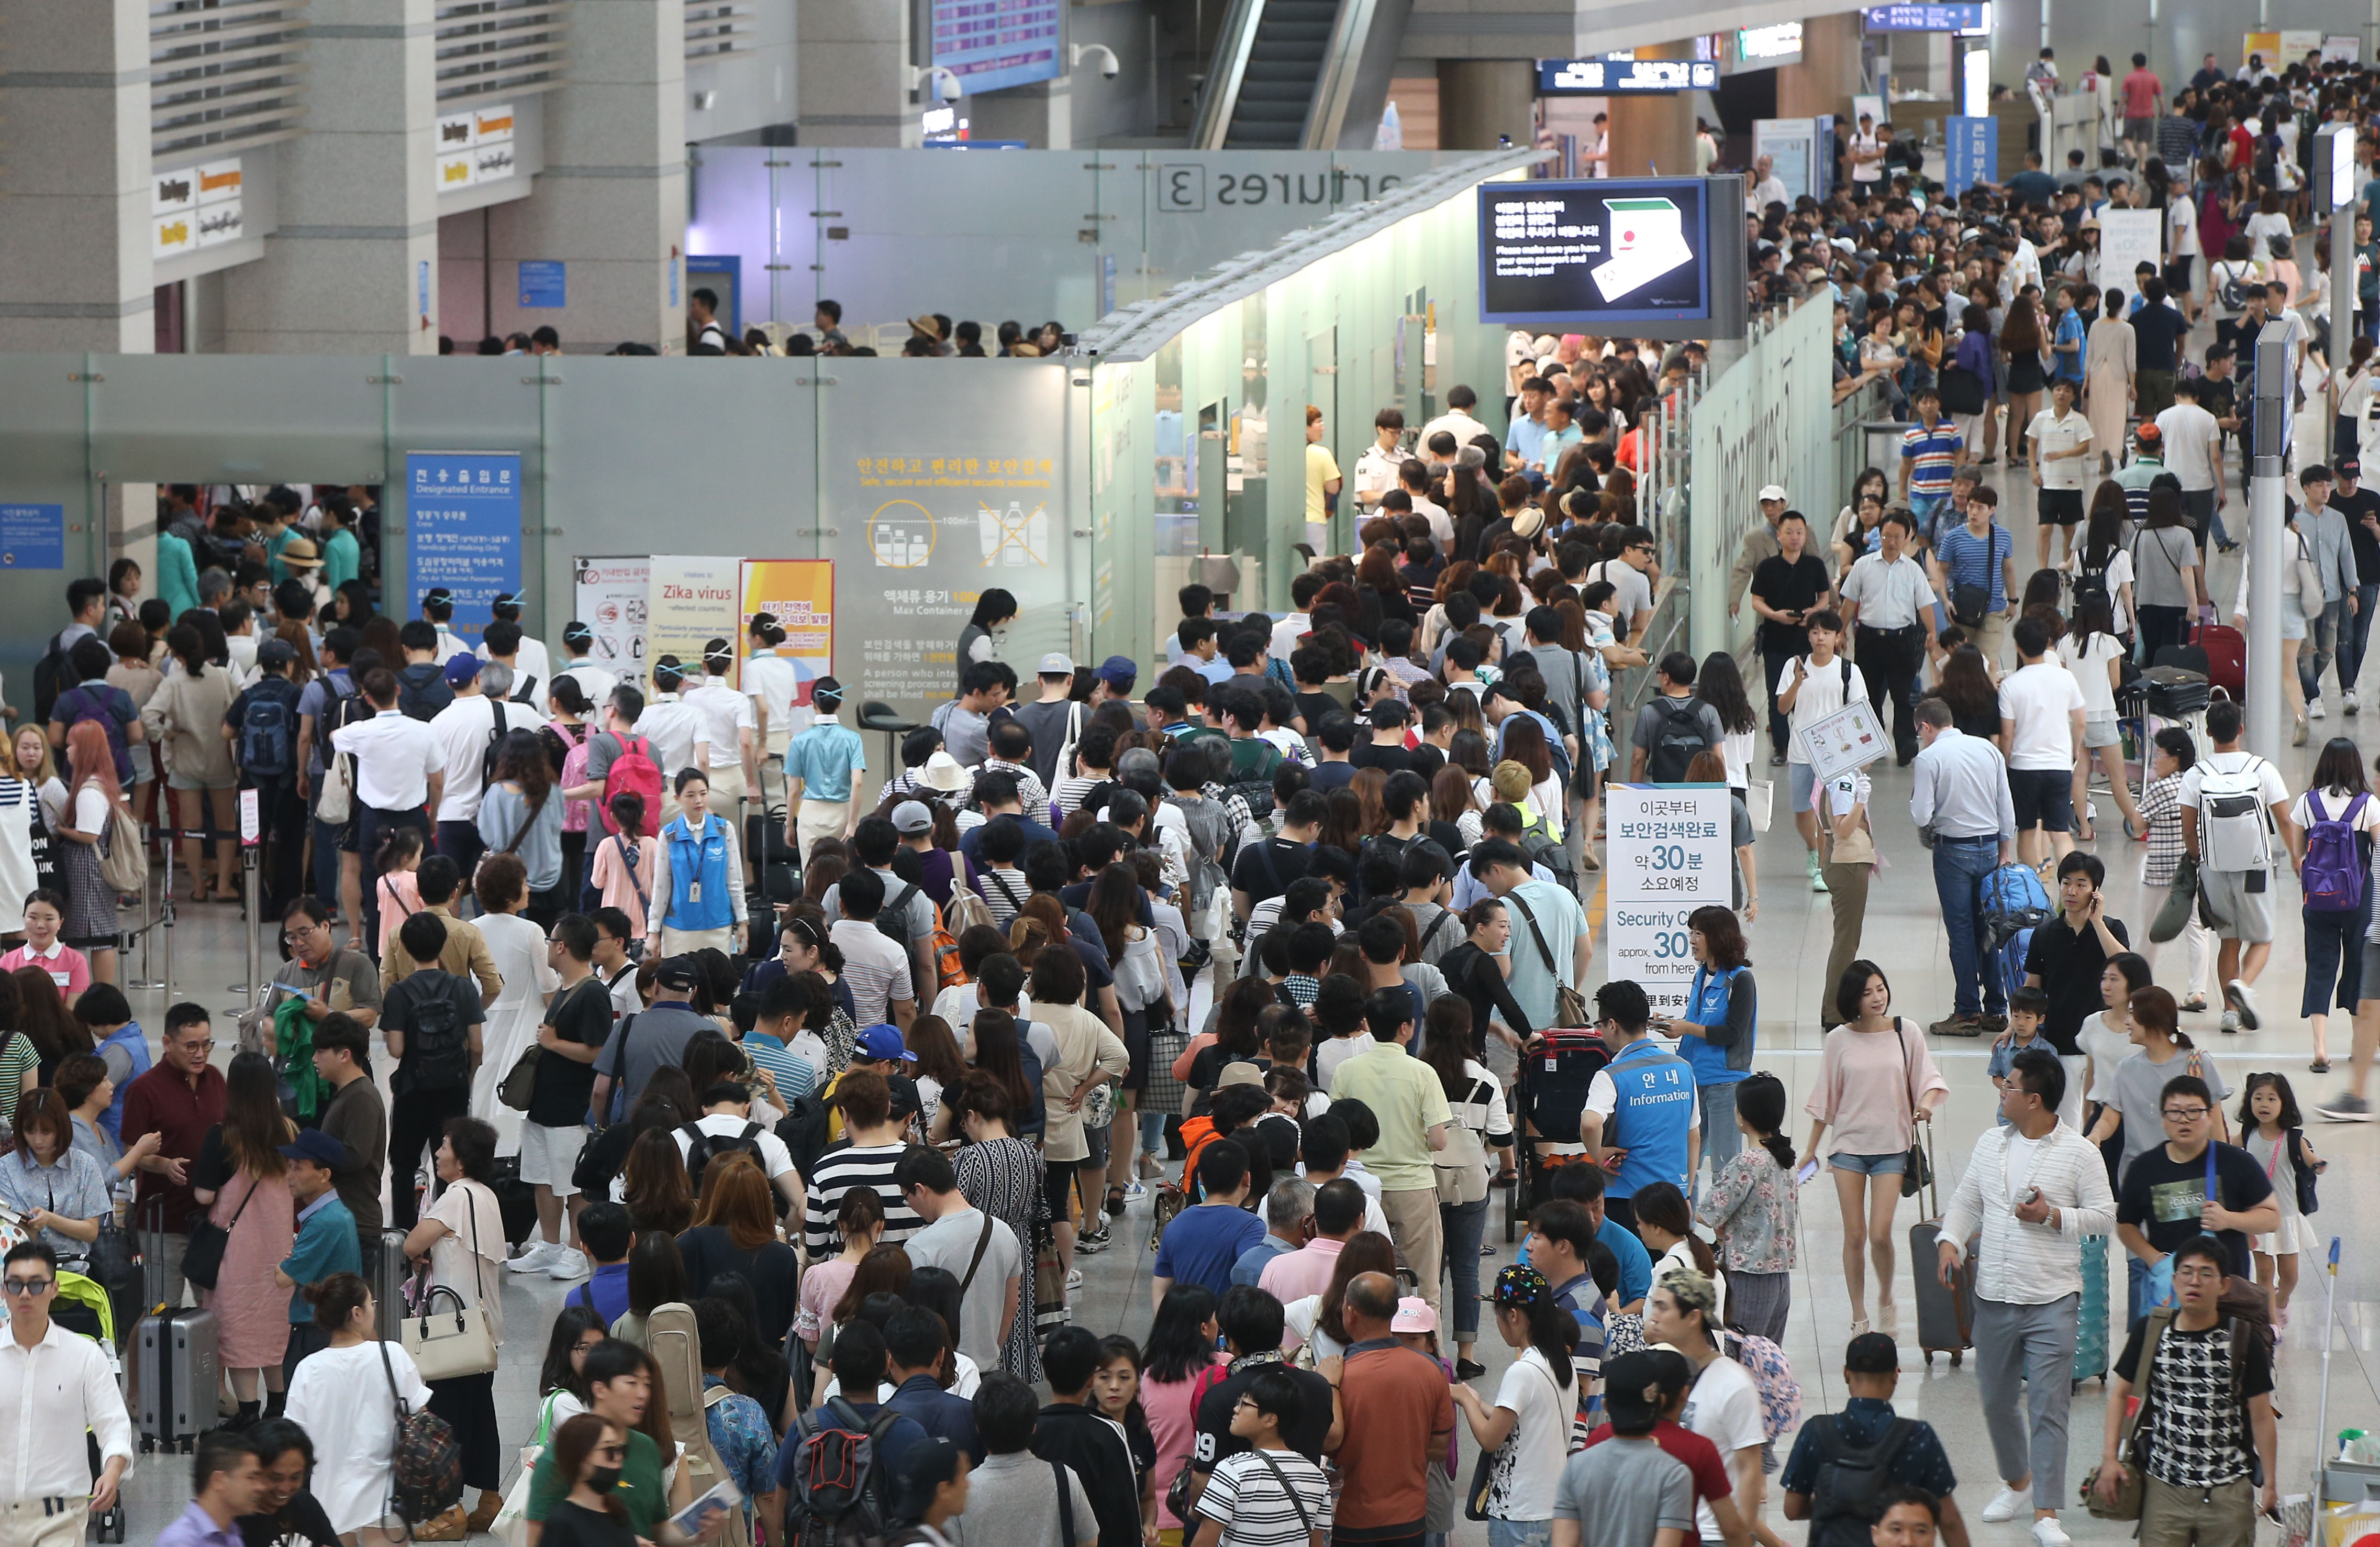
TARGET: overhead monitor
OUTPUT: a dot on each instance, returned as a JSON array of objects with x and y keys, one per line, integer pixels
[
  {"x": 1603, "y": 254},
  {"x": 1624, "y": 77}
]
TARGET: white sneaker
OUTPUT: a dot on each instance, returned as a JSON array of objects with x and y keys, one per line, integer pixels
[
  {"x": 2047, "y": 1532},
  {"x": 2346, "y": 704},
  {"x": 536, "y": 1259},
  {"x": 568, "y": 1265},
  {"x": 2008, "y": 1503},
  {"x": 2315, "y": 711}
]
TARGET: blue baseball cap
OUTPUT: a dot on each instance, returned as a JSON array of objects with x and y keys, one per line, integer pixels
[
  {"x": 1118, "y": 671},
  {"x": 314, "y": 1144},
  {"x": 462, "y": 668},
  {"x": 882, "y": 1042}
]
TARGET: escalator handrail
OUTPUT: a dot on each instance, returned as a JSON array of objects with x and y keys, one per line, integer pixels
[{"x": 1222, "y": 98}]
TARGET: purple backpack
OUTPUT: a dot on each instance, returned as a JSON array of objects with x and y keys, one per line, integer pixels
[{"x": 2333, "y": 874}]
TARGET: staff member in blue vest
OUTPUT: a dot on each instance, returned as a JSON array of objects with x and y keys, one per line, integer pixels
[
  {"x": 1717, "y": 1034},
  {"x": 701, "y": 872},
  {"x": 1644, "y": 1097},
  {"x": 822, "y": 765}
]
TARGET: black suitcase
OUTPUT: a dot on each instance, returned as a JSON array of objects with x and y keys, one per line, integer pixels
[
  {"x": 1945, "y": 1315},
  {"x": 516, "y": 1200},
  {"x": 1554, "y": 1074}
]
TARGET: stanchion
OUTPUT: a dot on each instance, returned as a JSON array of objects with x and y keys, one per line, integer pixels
[
  {"x": 250, "y": 852},
  {"x": 166, "y": 912},
  {"x": 149, "y": 922}
]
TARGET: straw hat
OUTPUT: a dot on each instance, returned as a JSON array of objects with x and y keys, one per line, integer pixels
[{"x": 299, "y": 552}]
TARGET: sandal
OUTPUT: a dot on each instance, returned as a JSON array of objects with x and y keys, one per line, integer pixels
[
  {"x": 2320, "y": 1066},
  {"x": 2140, "y": 837}
]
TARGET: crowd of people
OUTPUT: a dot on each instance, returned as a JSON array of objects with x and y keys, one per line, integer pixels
[{"x": 932, "y": 335}]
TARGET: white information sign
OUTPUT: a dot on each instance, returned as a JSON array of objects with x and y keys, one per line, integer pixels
[
  {"x": 610, "y": 595},
  {"x": 1668, "y": 855},
  {"x": 1850, "y": 737},
  {"x": 2127, "y": 239}
]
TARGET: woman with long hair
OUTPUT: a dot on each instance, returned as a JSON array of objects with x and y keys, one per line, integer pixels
[
  {"x": 1527, "y": 1427},
  {"x": 1666, "y": 1225},
  {"x": 2111, "y": 369},
  {"x": 1343, "y": 822},
  {"x": 1476, "y": 1100},
  {"x": 2095, "y": 657},
  {"x": 1973, "y": 699},
  {"x": 1975, "y": 356},
  {"x": 2021, "y": 343},
  {"x": 2334, "y": 926},
  {"x": 656, "y": 1278},
  {"x": 2101, "y": 561},
  {"x": 520, "y": 950},
  {"x": 241, "y": 1180},
  {"x": 1719, "y": 683},
  {"x": 461, "y": 1238},
  {"x": 1001, "y": 1174},
  {"x": 1876, "y": 1082},
  {"x": 1452, "y": 800},
  {"x": 2106, "y": 1038},
  {"x": 2168, "y": 572},
  {"x": 935, "y": 1064},
  {"x": 562, "y": 1378},
  {"x": 986, "y": 630},
  {"x": 93, "y": 798},
  {"x": 341, "y": 1397},
  {"x": 1180, "y": 1350},
  {"x": 1315, "y": 1319},
  {"x": 184, "y": 720},
  {"x": 1523, "y": 741},
  {"x": 521, "y": 814},
  {"x": 735, "y": 1232},
  {"x": 1752, "y": 1209},
  {"x": 657, "y": 1193}
]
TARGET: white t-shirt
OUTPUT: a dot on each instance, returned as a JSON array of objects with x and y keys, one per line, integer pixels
[
  {"x": 2190, "y": 437},
  {"x": 2106, "y": 1047},
  {"x": 1635, "y": 593},
  {"x": 1866, "y": 171},
  {"x": 464, "y": 729},
  {"x": 1724, "y": 1407},
  {"x": 2270, "y": 790},
  {"x": 2119, "y": 575},
  {"x": 1822, "y": 691},
  {"x": 2038, "y": 699},
  {"x": 2089, "y": 669},
  {"x": 2016, "y": 1166},
  {"x": 1529, "y": 1465},
  {"x": 2181, "y": 227},
  {"x": 720, "y": 712},
  {"x": 2052, "y": 434},
  {"x": 2334, "y": 805},
  {"x": 1736, "y": 747},
  {"x": 1336, "y": 1051},
  {"x": 776, "y": 1159},
  {"x": 771, "y": 681}
]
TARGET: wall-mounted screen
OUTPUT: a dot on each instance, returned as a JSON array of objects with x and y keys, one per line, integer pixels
[
  {"x": 1614, "y": 251},
  {"x": 1624, "y": 77}
]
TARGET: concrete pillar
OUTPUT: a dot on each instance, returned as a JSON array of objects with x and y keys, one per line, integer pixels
[
  {"x": 1041, "y": 114},
  {"x": 358, "y": 202},
  {"x": 610, "y": 204},
  {"x": 75, "y": 180},
  {"x": 1650, "y": 132},
  {"x": 854, "y": 74},
  {"x": 1828, "y": 73},
  {"x": 1481, "y": 101}
]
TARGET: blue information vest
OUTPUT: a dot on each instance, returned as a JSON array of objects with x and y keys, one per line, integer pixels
[
  {"x": 698, "y": 859},
  {"x": 1653, "y": 1117}
]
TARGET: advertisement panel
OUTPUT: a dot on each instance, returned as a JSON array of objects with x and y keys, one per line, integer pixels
[
  {"x": 800, "y": 595},
  {"x": 1614, "y": 251},
  {"x": 690, "y": 602},
  {"x": 463, "y": 515},
  {"x": 610, "y": 595},
  {"x": 1669, "y": 856}
]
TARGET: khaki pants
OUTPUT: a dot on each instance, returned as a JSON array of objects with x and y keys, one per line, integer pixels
[
  {"x": 1847, "y": 894},
  {"x": 1992, "y": 636},
  {"x": 815, "y": 819},
  {"x": 2224, "y": 1516},
  {"x": 676, "y": 942},
  {"x": 1414, "y": 1225},
  {"x": 727, "y": 788},
  {"x": 44, "y": 1522}
]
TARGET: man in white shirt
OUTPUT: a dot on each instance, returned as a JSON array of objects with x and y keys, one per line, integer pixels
[
  {"x": 1412, "y": 476},
  {"x": 1457, "y": 420},
  {"x": 468, "y": 731},
  {"x": 1376, "y": 470},
  {"x": 2236, "y": 897},
  {"x": 595, "y": 681},
  {"x": 724, "y": 744},
  {"x": 2041, "y": 720},
  {"x": 399, "y": 769},
  {"x": 669, "y": 722},
  {"x": 2063, "y": 460},
  {"x": 1866, "y": 156},
  {"x": 55, "y": 1389},
  {"x": 1724, "y": 1406},
  {"x": 531, "y": 664},
  {"x": 981, "y": 1252},
  {"x": 2193, "y": 443},
  {"x": 727, "y": 1115},
  {"x": 2036, "y": 1189},
  {"x": 1767, "y": 188},
  {"x": 1887, "y": 607}
]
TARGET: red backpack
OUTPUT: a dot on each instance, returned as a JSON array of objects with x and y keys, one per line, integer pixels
[{"x": 633, "y": 771}]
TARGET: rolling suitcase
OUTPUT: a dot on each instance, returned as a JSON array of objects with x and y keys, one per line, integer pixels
[
  {"x": 2090, "y": 1336},
  {"x": 179, "y": 1372},
  {"x": 1945, "y": 1315},
  {"x": 1554, "y": 1075},
  {"x": 2227, "y": 658}
]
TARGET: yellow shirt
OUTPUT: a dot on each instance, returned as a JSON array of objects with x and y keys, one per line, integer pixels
[{"x": 1321, "y": 468}]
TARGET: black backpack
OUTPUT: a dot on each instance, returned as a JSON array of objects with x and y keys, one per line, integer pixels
[
  {"x": 804, "y": 1130},
  {"x": 1851, "y": 1480},
  {"x": 268, "y": 731},
  {"x": 53, "y": 674},
  {"x": 1676, "y": 740},
  {"x": 422, "y": 690},
  {"x": 495, "y": 740},
  {"x": 1539, "y": 847},
  {"x": 702, "y": 1148},
  {"x": 437, "y": 1046}
]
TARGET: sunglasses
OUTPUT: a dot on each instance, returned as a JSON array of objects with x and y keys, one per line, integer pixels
[{"x": 28, "y": 1287}]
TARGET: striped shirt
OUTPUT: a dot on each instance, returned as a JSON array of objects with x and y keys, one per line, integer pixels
[
  {"x": 1004, "y": 891},
  {"x": 874, "y": 968},
  {"x": 1246, "y": 1497},
  {"x": 837, "y": 1173},
  {"x": 795, "y": 1075},
  {"x": 1931, "y": 456}
]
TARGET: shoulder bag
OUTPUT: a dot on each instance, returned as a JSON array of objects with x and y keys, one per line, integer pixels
[
  {"x": 463, "y": 1344},
  {"x": 202, "y": 1258},
  {"x": 1917, "y": 1168},
  {"x": 1570, "y": 1005},
  {"x": 2134, "y": 1485}
]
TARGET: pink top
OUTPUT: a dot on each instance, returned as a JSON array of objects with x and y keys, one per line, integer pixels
[
  {"x": 67, "y": 968},
  {"x": 1868, "y": 1087},
  {"x": 623, "y": 888},
  {"x": 400, "y": 898},
  {"x": 1173, "y": 1424},
  {"x": 821, "y": 1288},
  {"x": 1296, "y": 1275}
]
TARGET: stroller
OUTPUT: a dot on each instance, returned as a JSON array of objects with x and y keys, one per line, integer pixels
[{"x": 1555, "y": 1071}]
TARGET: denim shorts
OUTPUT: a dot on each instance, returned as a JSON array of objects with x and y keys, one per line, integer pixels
[
  {"x": 1520, "y": 1533},
  {"x": 1805, "y": 784},
  {"x": 1892, "y": 1165}
]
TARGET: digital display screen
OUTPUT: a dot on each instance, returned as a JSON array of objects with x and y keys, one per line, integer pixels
[
  {"x": 1620, "y": 78},
  {"x": 1945, "y": 16},
  {"x": 1610, "y": 251}
]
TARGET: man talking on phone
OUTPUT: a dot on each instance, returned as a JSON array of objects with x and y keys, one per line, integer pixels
[{"x": 2033, "y": 1189}]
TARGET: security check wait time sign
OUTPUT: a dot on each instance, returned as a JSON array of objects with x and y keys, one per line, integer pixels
[{"x": 1667, "y": 856}]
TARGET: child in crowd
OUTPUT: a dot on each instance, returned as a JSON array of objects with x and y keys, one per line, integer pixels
[
  {"x": 400, "y": 892},
  {"x": 624, "y": 861},
  {"x": 2161, "y": 808},
  {"x": 2028, "y": 1008},
  {"x": 2273, "y": 1134}
]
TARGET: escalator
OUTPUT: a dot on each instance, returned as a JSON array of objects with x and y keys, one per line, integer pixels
[{"x": 1299, "y": 75}]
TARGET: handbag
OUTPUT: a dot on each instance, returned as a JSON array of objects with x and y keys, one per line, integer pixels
[
  {"x": 466, "y": 1346},
  {"x": 202, "y": 1258},
  {"x": 1570, "y": 1005},
  {"x": 1461, "y": 1169},
  {"x": 2134, "y": 1484},
  {"x": 1917, "y": 1168},
  {"x": 426, "y": 1467},
  {"x": 1962, "y": 392},
  {"x": 2309, "y": 579},
  {"x": 1049, "y": 1284},
  {"x": 1483, "y": 1473}
]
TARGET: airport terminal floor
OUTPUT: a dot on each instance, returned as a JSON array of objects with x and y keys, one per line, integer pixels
[{"x": 1788, "y": 948}]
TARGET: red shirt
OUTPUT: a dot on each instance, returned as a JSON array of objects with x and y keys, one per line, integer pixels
[
  {"x": 164, "y": 1103},
  {"x": 1396, "y": 1406},
  {"x": 1700, "y": 1455},
  {"x": 2142, "y": 89}
]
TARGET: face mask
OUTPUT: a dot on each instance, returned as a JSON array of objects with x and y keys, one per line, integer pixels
[{"x": 603, "y": 1479}]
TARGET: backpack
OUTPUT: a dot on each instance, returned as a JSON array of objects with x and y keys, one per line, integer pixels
[
  {"x": 837, "y": 1493},
  {"x": 89, "y": 701},
  {"x": 426, "y": 1468},
  {"x": 1851, "y": 1478},
  {"x": 495, "y": 739},
  {"x": 702, "y": 1148},
  {"x": 964, "y": 911},
  {"x": 804, "y": 1130},
  {"x": 892, "y": 923},
  {"x": 634, "y": 771},
  {"x": 1772, "y": 1372},
  {"x": 2012, "y": 899},
  {"x": 268, "y": 731},
  {"x": 948, "y": 972},
  {"x": 2334, "y": 863},
  {"x": 438, "y": 1050},
  {"x": 2234, "y": 827},
  {"x": 1676, "y": 740},
  {"x": 1539, "y": 848},
  {"x": 2233, "y": 286},
  {"x": 1460, "y": 1170},
  {"x": 422, "y": 690},
  {"x": 53, "y": 674},
  {"x": 575, "y": 813}
]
